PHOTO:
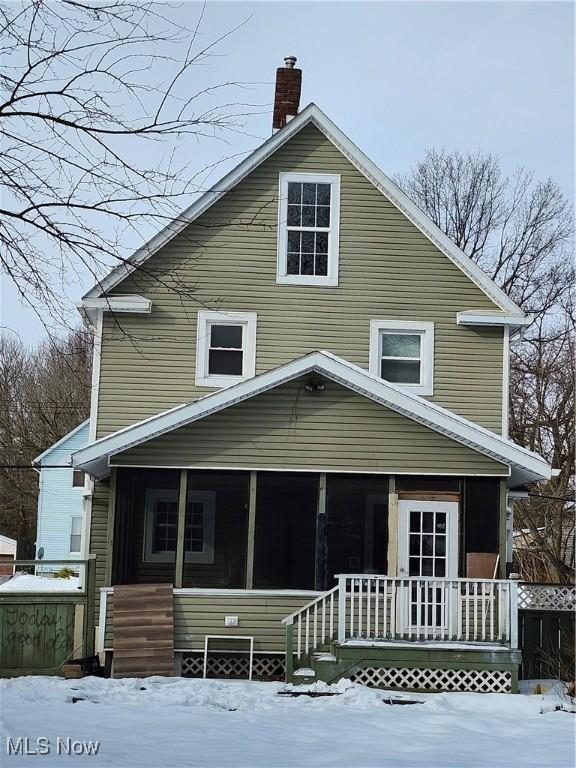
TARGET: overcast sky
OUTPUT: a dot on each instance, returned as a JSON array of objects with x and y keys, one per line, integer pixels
[{"x": 399, "y": 77}]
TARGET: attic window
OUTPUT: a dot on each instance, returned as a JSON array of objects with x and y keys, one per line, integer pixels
[
  {"x": 226, "y": 348},
  {"x": 402, "y": 352},
  {"x": 308, "y": 229}
]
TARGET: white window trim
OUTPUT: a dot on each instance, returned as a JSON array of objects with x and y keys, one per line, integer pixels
[
  {"x": 70, "y": 550},
  {"x": 248, "y": 322},
  {"x": 331, "y": 279},
  {"x": 206, "y": 497},
  {"x": 426, "y": 330}
]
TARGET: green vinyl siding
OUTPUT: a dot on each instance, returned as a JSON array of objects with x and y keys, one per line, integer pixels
[
  {"x": 99, "y": 544},
  {"x": 290, "y": 428},
  {"x": 197, "y": 615},
  {"x": 388, "y": 270}
]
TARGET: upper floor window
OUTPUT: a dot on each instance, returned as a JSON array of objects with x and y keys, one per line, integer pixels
[
  {"x": 226, "y": 348},
  {"x": 402, "y": 352},
  {"x": 308, "y": 229}
]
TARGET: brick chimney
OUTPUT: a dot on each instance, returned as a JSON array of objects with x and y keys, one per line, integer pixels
[{"x": 287, "y": 95}]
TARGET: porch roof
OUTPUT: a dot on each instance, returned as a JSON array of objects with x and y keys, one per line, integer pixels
[{"x": 525, "y": 466}]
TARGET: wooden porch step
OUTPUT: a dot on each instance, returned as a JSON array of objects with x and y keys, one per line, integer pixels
[{"x": 143, "y": 630}]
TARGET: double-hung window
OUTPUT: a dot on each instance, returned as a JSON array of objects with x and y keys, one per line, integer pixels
[
  {"x": 402, "y": 352},
  {"x": 75, "y": 534},
  {"x": 308, "y": 229},
  {"x": 161, "y": 532},
  {"x": 226, "y": 348}
]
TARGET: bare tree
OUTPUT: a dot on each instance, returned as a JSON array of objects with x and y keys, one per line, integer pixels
[
  {"x": 88, "y": 89},
  {"x": 542, "y": 419},
  {"x": 517, "y": 229},
  {"x": 520, "y": 231},
  {"x": 44, "y": 393}
]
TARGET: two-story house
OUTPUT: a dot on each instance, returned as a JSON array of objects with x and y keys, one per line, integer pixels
[{"x": 307, "y": 446}]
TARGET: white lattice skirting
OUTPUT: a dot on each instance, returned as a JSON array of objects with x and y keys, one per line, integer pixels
[
  {"x": 546, "y": 597},
  {"x": 228, "y": 665},
  {"x": 474, "y": 680}
]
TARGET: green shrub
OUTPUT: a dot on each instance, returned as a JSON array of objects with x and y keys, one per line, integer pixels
[{"x": 63, "y": 573}]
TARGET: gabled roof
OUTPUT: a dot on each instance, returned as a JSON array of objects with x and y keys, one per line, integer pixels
[
  {"x": 314, "y": 116},
  {"x": 60, "y": 443},
  {"x": 525, "y": 465}
]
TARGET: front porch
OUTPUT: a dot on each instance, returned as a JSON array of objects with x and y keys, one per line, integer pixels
[
  {"x": 256, "y": 553},
  {"x": 266, "y": 530}
]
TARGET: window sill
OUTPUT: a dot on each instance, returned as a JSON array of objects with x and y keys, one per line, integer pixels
[
  {"x": 206, "y": 558},
  {"x": 415, "y": 389},
  {"x": 219, "y": 382},
  {"x": 328, "y": 282}
]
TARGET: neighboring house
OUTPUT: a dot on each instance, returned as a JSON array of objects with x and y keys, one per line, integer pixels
[
  {"x": 330, "y": 399},
  {"x": 7, "y": 555},
  {"x": 61, "y": 499}
]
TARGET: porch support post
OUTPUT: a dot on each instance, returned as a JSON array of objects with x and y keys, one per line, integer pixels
[
  {"x": 112, "y": 543},
  {"x": 289, "y": 652},
  {"x": 251, "y": 530},
  {"x": 502, "y": 532},
  {"x": 179, "y": 568},
  {"x": 320, "y": 574},
  {"x": 392, "y": 527}
]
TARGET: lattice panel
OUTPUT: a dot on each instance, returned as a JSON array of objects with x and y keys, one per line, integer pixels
[
  {"x": 474, "y": 680},
  {"x": 547, "y": 597},
  {"x": 220, "y": 665}
]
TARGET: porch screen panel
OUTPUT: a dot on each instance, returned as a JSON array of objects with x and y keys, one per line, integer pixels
[
  {"x": 155, "y": 513},
  {"x": 285, "y": 537},
  {"x": 356, "y": 525},
  {"x": 216, "y": 529},
  {"x": 481, "y": 512}
]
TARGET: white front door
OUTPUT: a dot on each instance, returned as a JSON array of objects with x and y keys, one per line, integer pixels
[{"x": 427, "y": 548}]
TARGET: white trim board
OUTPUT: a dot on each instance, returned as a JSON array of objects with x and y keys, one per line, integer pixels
[
  {"x": 303, "y": 470},
  {"x": 526, "y": 466},
  {"x": 313, "y": 115}
]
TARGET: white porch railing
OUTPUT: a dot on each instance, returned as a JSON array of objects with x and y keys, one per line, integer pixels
[
  {"x": 315, "y": 624},
  {"x": 383, "y": 608}
]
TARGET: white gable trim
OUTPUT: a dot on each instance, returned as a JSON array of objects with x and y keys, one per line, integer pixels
[
  {"x": 312, "y": 114},
  {"x": 58, "y": 443},
  {"x": 95, "y": 458}
]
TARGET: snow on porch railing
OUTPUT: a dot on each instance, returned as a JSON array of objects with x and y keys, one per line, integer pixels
[
  {"x": 313, "y": 625},
  {"x": 416, "y": 609}
]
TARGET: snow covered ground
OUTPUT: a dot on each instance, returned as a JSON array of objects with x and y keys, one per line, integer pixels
[
  {"x": 173, "y": 722},
  {"x": 25, "y": 582}
]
